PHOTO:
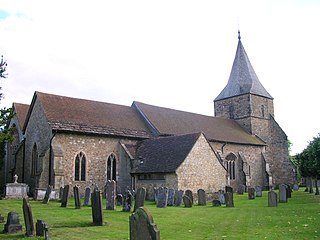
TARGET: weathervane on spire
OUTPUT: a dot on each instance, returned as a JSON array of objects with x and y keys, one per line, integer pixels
[{"x": 239, "y": 37}]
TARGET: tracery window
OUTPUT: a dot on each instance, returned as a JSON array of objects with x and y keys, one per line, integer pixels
[
  {"x": 80, "y": 167},
  {"x": 112, "y": 168},
  {"x": 231, "y": 165}
]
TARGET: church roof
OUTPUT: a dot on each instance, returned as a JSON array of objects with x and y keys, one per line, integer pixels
[
  {"x": 93, "y": 117},
  {"x": 243, "y": 78},
  {"x": 165, "y": 121},
  {"x": 164, "y": 154},
  {"x": 21, "y": 111}
]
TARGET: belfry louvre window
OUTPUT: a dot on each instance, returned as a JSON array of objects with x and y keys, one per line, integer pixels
[{"x": 80, "y": 167}]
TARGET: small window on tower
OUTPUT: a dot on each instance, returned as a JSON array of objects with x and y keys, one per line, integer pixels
[
  {"x": 262, "y": 110},
  {"x": 231, "y": 112}
]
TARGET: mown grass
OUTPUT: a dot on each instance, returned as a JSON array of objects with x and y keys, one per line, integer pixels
[{"x": 249, "y": 219}]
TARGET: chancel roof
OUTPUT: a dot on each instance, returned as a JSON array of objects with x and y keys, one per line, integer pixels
[{"x": 243, "y": 78}]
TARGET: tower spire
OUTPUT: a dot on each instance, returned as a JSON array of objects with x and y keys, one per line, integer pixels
[{"x": 239, "y": 36}]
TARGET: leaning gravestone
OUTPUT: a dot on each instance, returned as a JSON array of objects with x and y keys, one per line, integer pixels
[
  {"x": 251, "y": 193},
  {"x": 42, "y": 229},
  {"x": 142, "y": 226},
  {"x": 272, "y": 199},
  {"x": 189, "y": 194},
  {"x": 258, "y": 191},
  {"x": 187, "y": 201},
  {"x": 162, "y": 197},
  {"x": 111, "y": 193},
  {"x": 221, "y": 197},
  {"x": 65, "y": 196},
  {"x": 96, "y": 206},
  {"x": 47, "y": 195},
  {"x": 76, "y": 195},
  {"x": 87, "y": 196},
  {"x": 178, "y": 197},
  {"x": 241, "y": 189},
  {"x": 283, "y": 198},
  {"x": 127, "y": 202},
  {"x": 140, "y": 197},
  {"x": 28, "y": 220},
  {"x": 171, "y": 194},
  {"x": 229, "y": 199},
  {"x": 202, "y": 197},
  {"x": 13, "y": 223}
]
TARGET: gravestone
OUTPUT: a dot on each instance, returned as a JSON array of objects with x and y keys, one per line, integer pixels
[
  {"x": 189, "y": 194},
  {"x": 155, "y": 191},
  {"x": 119, "y": 199},
  {"x": 87, "y": 196},
  {"x": 202, "y": 197},
  {"x": 283, "y": 198},
  {"x": 187, "y": 201},
  {"x": 96, "y": 207},
  {"x": 1, "y": 219},
  {"x": 28, "y": 219},
  {"x": 216, "y": 203},
  {"x": 13, "y": 223},
  {"x": 127, "y": 202},
  {"x": 140, "y": 197},
  {"x": 272, "y": 199},
  {"x": 42, "y": 229},
  {"x": 142, "y": 226},
  {"x": 251, "y": 193},
  {"x": 76, "y": 195},
  {"x": 162, "y": 197},
  {"x": 229, "y": 189},
  {"x": 241, "y": 189},
  {"x": 171, "y": 194},
  {"x": 65, "y": 196},
  {"x": 289, "y": 190},
  {"x": 258, "y": 191},
  {"x": 229, "y": 199},
  {"x": 111, "y": 193},
  {"x": 295, "y": 187},
  {"x": 221, "y": 197},
  {"x": 178, "y": 197},
  {"x": 47, "y": 195},
  {"x": 60, "y": 192}
]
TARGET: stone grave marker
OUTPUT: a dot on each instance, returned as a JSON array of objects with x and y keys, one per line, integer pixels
[
  {"x": 289, "y": 190},
  {"x": 60, "y": 192},
  {"x": 119, "y": 199},
  {"x": 127, "y": 202},
  {"x": 187, "y": 201},
  {"x": 96, "y": 206},
  {"x": 28, "y": 219},
  {"x": 283, "y": 198},
  {"x": 202, "y": 197},
  {"x": 229, "y": 199},
  {"x": 162, "y": 197},
  {"x": 189, "y": 194},
  {"x": 221, "y": 197},
  {"x": 241, "y": 189},
  {"x": 229, "y": 189},
  {"x": 13, "y": 223},
  {"x": 47, "y": 195},
  {"x": 295, "y": 187},
  {"x": 87, "y": 196},
  {"x": 77, "y": 202},
  {"x": 155, "y": 190},
  {"x": 258, "y": 191},
  {"x": 65, "y": 196},
  {"x": 251, "y": 193},
  {"x": 111, "y": 193},
  {"x": 42, "y": 229},
  {"x": 216, "y": 203},
  {"x": 142, "y": 226},
  {"x": 178, "y": 197},
  {"x": 171, "y": 194},
  {"x": 272, "y": 199},
  {"x": 140, "y": 197}
]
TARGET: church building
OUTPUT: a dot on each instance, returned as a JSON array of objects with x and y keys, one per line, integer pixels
[{"x": 62, "y": 140}]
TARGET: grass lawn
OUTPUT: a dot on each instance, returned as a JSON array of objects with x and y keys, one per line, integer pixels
[{"x": 249, "y": 219}]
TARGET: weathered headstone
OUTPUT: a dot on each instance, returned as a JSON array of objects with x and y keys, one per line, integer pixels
[
  {"x": 229, "y": 199},
  {"x": 289, "y": 190},
  {"x": 77, "y": 203},
  {"x": 216, "y": 203},
  {"x": 47, "y": 195},
  {"x": 87, "y": 196},
  {"x": 241, "y": 189},
  {"x": 28, "y": 219},
  {"x": 119, "y": 199},
  {"x": 42, "y": 229},
  {"x": 162, "y": 197},
  {"x": 229, "y": 189},
  {"x": 111, "y": 193},
  {"x": 283, "y": 198},
  {"x": 258, "y": 191},
  {"x": 202, "y": 197},
  {"x": 272, "y": 199},
  {"x": 189, "y": 194},
  {"x": 65, "y": 196},
  {"x": 295, "y": 187},
  {"x": 221, "y": 197},
  {"x": 187, "y": 201},
  {"x": 13, "y": 223},
  {"x": 60, "y": 192},
  {"x": 142, "y": 226},
  {"x": 96, "y": 206},
  {"x": 251, "y": 193},
  {"x": 178, "y": 197},
  {"x": 127, "y": 202},
  {"x": 171, "y": 194},
  {"x": 139, "y": 198},
  {"x": 155, "y": 191}
]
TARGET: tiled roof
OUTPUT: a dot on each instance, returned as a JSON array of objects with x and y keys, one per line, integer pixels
[
  {"x": 243, "y": 78},
  {"x": 21, "y": 111},
  {"x": 165, "y": 121},
  {"x": 164, "y": 154},
  {"x": 86, "y": 116}
]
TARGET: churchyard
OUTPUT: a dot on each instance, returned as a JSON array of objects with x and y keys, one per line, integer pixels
[{"x": 298, "y": 218}]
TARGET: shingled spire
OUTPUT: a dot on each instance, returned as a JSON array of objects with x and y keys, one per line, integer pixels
[{"x": 243, "y": 79}]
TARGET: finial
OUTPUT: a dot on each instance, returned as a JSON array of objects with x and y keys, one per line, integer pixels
[{"x": 239, "y": 37}]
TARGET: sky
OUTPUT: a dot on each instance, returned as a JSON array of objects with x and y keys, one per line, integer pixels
[{"x": 175, "y": 54}]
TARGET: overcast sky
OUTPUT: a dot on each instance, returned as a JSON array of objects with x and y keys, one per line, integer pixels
[{"x": 175, "y": 54}]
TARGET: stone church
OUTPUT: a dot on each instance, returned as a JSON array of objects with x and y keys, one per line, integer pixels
[{"x": 61, "y": 140}]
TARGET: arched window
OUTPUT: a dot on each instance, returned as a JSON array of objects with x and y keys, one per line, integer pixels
[
  {"x": 231, "y": 165},
  {"x": 231, "y": 112},
  {"x": 112, "y": 167},
  {"x": 262, "y": 111},
  {"x": 80, "y": 167},
  {"x": 34, "y": 160}
]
